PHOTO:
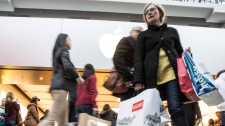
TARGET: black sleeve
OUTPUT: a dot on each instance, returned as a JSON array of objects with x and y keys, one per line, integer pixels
[
  {"x": 197, "y": 110},
  {"x": 139, "y": 57},
  {"x": 178, "y": 45},
  {"x": 121, "y": 51},
  {"x": 68, "y": 66}
]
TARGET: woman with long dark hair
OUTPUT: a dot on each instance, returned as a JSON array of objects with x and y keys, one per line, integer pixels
[
  {"x": 64, "y": 80},
  {"x": 87, "y": 93}
]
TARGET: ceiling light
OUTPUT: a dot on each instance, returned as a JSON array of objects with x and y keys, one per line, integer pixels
[
  {"x": 3, "y": 77},
  {"x": 41, "y": 78}
]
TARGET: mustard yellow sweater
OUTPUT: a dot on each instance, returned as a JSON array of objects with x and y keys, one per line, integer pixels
[{"x": 165, "y": 71}]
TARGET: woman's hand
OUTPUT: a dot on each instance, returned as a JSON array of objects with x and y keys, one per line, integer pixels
[
  {"x": 187, "y": 50},
  {"x": 95, "y": 112},
  {"x": 128, "y": 83},
  {"x": 139, "y": 86},
  {"x": 80, "y": 80}
]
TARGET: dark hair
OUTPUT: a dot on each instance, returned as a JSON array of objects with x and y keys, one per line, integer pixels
[
  {"x": 219, "y": 73},
  {"x": 211, "y": 121},
  {"x": 47, "y": 110},
  {"x": 59, "y": 45},
  {"x": 106, "y": 107},
  {"x": 33, "y": 101},
  {"x": 88, "y": 70}
]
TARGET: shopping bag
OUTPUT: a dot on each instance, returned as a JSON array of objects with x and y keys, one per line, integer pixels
[
  {"x": 204, "y": 88},
  {"x": 185, "y": 81},
  {"x": 145, "y": 109},
  {"x": 87, "y": 120}
]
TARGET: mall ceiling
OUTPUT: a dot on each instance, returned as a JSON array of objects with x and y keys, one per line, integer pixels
[{"x": 211, "y": 12}]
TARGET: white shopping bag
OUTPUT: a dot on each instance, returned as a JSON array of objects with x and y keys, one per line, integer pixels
[
  {"x": 145, "y": 109},
  {"x": 87, "y": 120}
]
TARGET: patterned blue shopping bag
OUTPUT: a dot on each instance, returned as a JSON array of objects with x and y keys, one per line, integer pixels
[{"x": 204, "y": 88}]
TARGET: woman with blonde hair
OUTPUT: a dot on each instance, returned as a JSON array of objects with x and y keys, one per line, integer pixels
[
  {"x": 2, "y": 112},
  {"x": 11, "y": 108},
  {"x": 155, "y": 61}
]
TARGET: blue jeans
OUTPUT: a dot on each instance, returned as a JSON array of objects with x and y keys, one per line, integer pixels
[
  {"x": 222, "y": 117},
  {"x": 84, "y": 109},
  {"x": 10, "y": 122},
  {"x": 175, "y": 102},
  {"x": 72, "y": 109}
]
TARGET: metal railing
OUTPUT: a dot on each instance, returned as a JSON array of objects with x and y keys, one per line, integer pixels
[{"x": 203, "y": 1}]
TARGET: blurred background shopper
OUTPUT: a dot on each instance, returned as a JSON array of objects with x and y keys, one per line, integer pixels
[
  {"x": 11, "y": 108},
  {"x": 123, "y": 60},
  {"x": 108, "y": 114},
  {"x": 32, "y": 118},
  {"x": 64, "y": 80},
  {"x": 87, "y": 93},
  {"x": 220, "y": 83}
]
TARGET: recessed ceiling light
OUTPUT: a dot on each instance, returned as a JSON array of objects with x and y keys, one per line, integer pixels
[
  {"x": 41, "y": 78},
  {"x": 3, "y": 77}
]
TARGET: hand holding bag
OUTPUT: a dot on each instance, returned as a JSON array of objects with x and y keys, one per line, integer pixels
[
  {"x": 143, "y": 110},
  {"x": 115, "y": 82}
]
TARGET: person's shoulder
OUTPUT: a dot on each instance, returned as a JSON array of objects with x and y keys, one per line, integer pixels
[
  {"x": 64, "y": 50},
  {"x": 143, "y": 34},
  {"x": 13, "y": 103},
  {"x": 125, "y": 39},
  {"x": 31, "y": 105},
  {"x": 172, "y": 29}
]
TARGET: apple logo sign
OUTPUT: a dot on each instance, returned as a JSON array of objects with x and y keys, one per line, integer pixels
[{"x": 108, "y": 42}]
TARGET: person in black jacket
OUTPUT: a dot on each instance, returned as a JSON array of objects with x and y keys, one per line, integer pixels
[
  {"x": 155, "y": 66},
  {"x": 64, "y": 80},
  {"x": 193, "y": 113},
  {"x": 123, "y": 60},
  {"x": 108, "y": 114}
]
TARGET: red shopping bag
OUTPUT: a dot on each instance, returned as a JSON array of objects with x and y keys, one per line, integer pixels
[{"x": 185, "y": 81}]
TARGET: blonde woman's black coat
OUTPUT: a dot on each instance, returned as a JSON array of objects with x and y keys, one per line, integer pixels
[{"x": 147, "y": 50}]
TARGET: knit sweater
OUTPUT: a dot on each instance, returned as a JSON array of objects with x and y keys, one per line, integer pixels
[
  {"x": 165, "y": 71},
  {"x": 11, "y": 108}
]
